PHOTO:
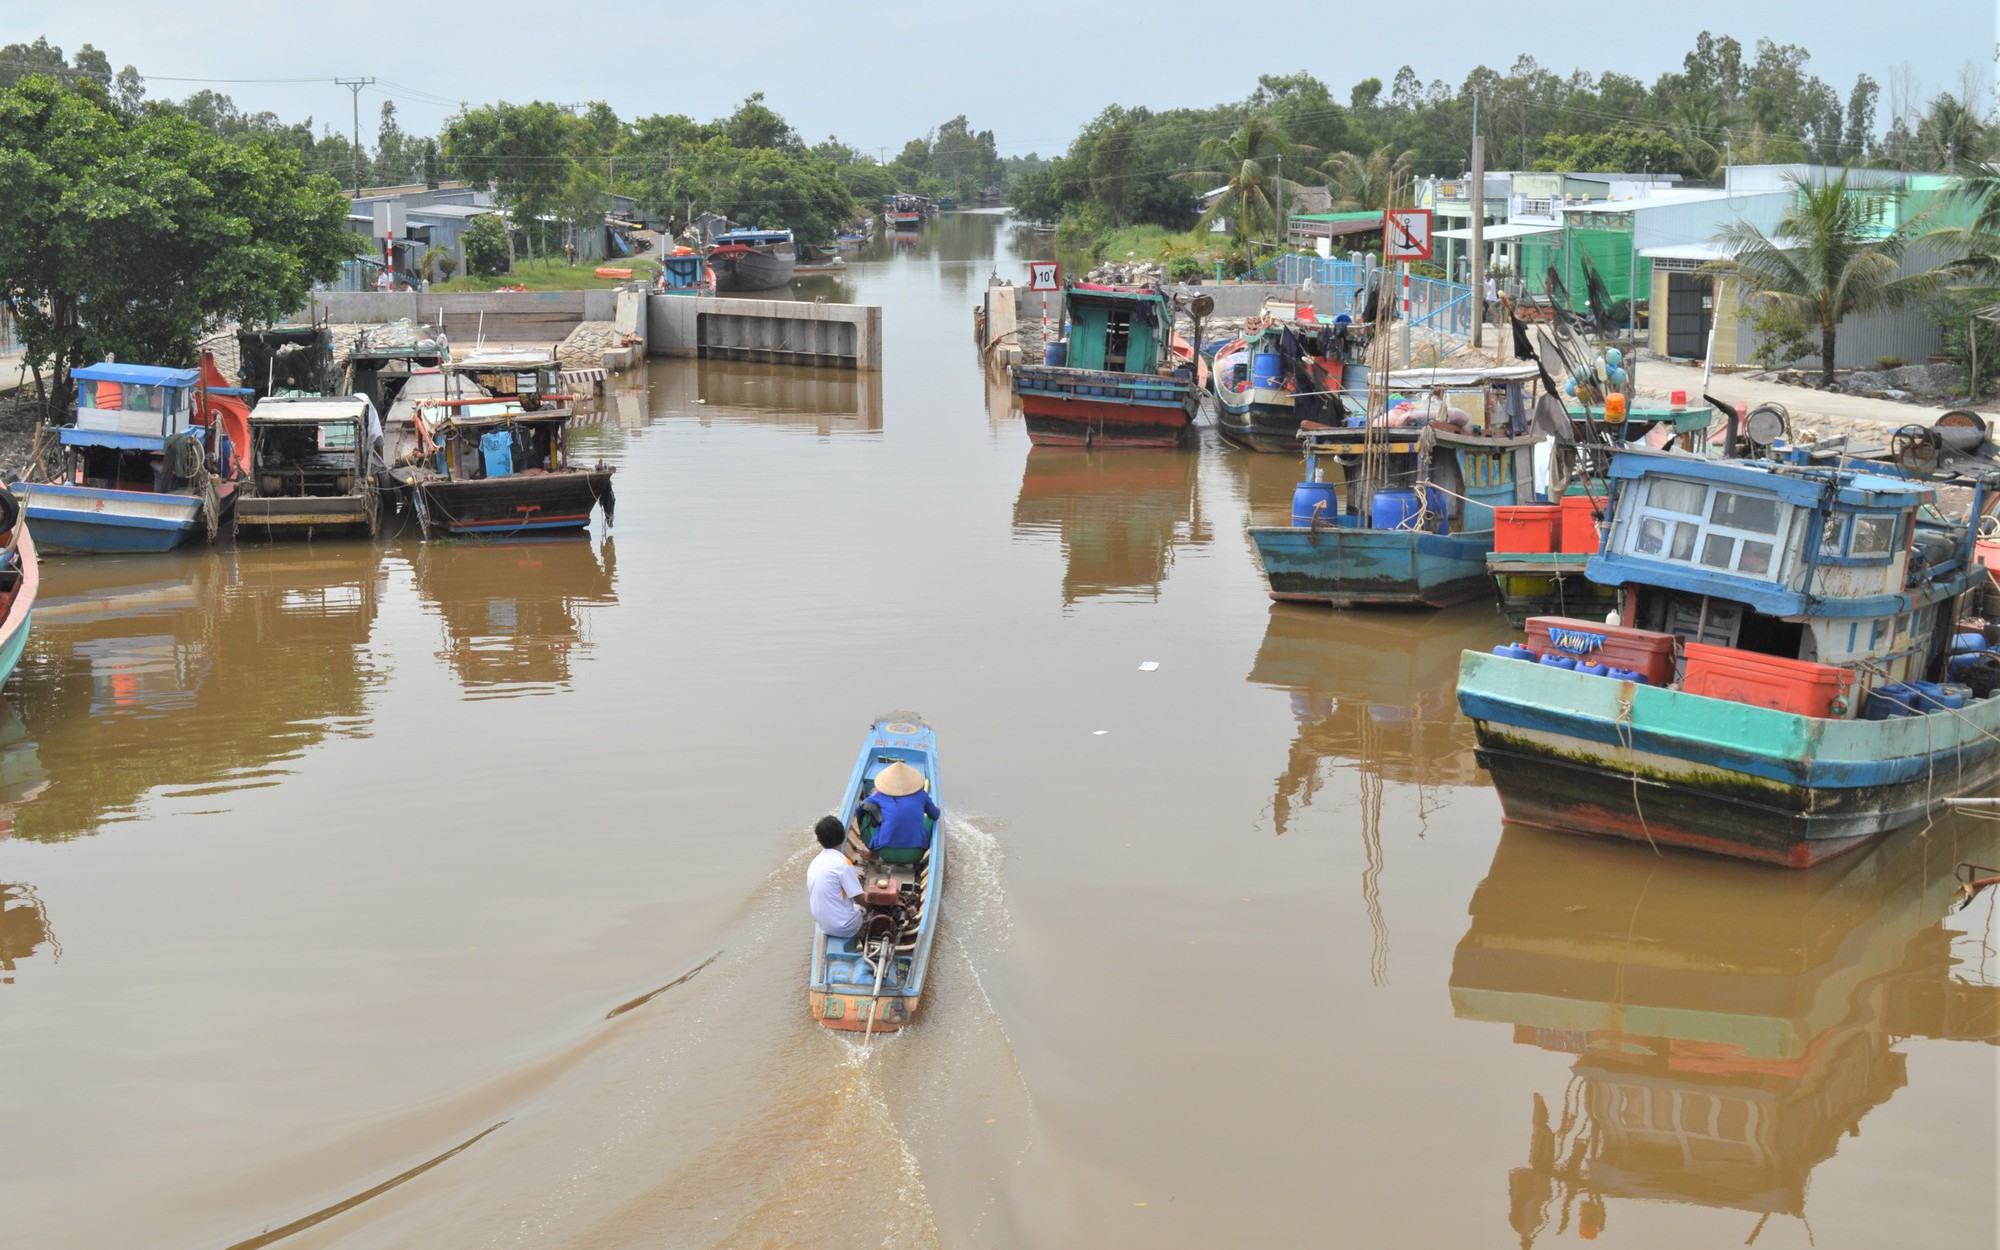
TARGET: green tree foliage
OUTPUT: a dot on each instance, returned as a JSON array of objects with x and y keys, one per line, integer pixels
[
  {"x": 1834, "y": 261},
  {"x": 770, "y": 187},
  {"x": 1377, "y": 180},
  {"x": 524, "y": 153},
  {"x": 133, "y": 235},
  {"x": 487, "y": 253},
  {"x": 1248, "y": 161},
  {"x": 1621, "y": 149}
]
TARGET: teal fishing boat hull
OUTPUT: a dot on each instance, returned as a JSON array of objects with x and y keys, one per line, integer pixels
[
  {"x": 1546, "y": 583},
  {"x": 1369, "y": 568},
  {"x": 1581, "y": 754}
]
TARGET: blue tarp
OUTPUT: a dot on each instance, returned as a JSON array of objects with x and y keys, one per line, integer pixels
[{"x": 137, "y": 375}]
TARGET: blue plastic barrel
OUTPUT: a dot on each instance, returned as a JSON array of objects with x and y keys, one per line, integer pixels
[
  {"x": 1514, "y": 651},
  {"x": 1964, "y": 660},
  {"x": 1595, "y": 670},
  {"x": 1055, "y": 354},
  {"x": 1397, "y": 509},
  {"x": 1971, "y": 640},
  {"x": 1890, "y": 701},
  {"x": 1264, "y": 370},
  {"x": 1306, "y": 494},
  {"x": 497, "y": 449},
  {"x": 1628, "y": 674},
  {"x": 1560, "y": 661}
]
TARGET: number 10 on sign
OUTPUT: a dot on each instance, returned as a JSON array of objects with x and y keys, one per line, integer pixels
[{"x": 1044, "y": 275}]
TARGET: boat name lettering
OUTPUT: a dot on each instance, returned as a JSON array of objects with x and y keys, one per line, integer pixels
[{"x": 1576, "y": 640}]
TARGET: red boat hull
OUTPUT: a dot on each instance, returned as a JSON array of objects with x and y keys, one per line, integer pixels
[{"x": 1079, "y": 422}]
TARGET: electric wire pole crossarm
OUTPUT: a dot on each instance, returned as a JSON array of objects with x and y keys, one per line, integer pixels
[{"x": 355, "y": 85}]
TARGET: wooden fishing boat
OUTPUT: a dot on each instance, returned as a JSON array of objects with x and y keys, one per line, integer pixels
[
  {"x": 135, "y": 471},
  {"x": 1116, "y": 380},
  {"x": 684, "y": 271},
  {"x": 497, "y": 461},
  {"x": 20, "y": 580},
  {"x": 906, "y": 212},
  {"x": 1292, "y": 367},
  {"x": 1399, "y": 512},
  {"x": 813, "y": 259},
  {"x": 1783, "y": 687},
  {"x": 752, "y": 260},
  {"x": 313, "y": 464},
  {"x": 873, "y": 982}
]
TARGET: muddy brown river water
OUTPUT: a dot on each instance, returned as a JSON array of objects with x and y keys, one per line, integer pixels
[{"x": 449, "y": 894}]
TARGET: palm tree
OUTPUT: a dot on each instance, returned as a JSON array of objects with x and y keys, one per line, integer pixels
[
  {"x": 1702, "y": 131},
  {"x": 1375, "y": 181},
  {"x": 1250, "y": 160},
  {"x": 1827, "y": 261}
]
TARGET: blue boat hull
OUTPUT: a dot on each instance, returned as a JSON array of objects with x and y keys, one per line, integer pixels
[
  {"x": 89, "y": 520},
  {"x": 1357, "y": 568},
  {"x": 841, "y": 988}
]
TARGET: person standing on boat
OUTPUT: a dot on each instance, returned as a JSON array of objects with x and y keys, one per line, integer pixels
[
  {"x": 905, "y": 804},
  {"x": 832, "y": 885}
]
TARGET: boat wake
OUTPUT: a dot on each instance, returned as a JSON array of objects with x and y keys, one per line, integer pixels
[{"x": 713, "y": 1111}]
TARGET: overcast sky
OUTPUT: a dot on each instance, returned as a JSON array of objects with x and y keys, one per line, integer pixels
[{"x": 877, "y": 74}]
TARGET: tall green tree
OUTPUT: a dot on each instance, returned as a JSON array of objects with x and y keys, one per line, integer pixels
[
  {"x": 523, "y": 152},
  {"x": 1249, "y": 160},
  {"x": 1827, "y": 261},
  {"x": 1377, "y": 180},
  {"x": 134, "y": 236}
]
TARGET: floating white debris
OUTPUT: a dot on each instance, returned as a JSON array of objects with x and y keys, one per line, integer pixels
[
  {"x": 1149, "y": 666},
  {"x": 1099, "y": 733}
]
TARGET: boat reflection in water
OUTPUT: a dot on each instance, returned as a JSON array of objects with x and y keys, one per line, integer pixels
[
  {"x": 514, "y": 609},
  {"x": 1378, "y": 691},
  {"x": 126, "y": 691},
  {"x": 1729, "y": 1026},
  {"x": 825, "y": 401},
  {"x": 1371, "y": 691},
  {"x": 1119, "y": 518},
  {"x": 24, "y": 928}
]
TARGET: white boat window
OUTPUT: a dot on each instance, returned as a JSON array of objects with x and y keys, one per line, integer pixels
[
  {"x": 1831, "y": 536},
  {"x": 1757, "y": 513},
  {"x": 1666, "y": 494},
  {"x": 1873, "y": 535}
]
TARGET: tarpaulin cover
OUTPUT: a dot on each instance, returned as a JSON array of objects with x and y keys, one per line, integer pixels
[{"x": 233, "y": 412}]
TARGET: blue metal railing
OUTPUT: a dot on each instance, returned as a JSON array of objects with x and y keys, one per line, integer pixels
[{"x": 1434, "y": 303}]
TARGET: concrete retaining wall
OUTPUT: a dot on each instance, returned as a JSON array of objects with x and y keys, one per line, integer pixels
[
  {"x": 500, "y": 317},
  {"x": 847, "y": 336}
]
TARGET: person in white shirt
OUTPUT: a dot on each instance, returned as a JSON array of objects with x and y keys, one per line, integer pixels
[{"x": 832, "y": 885}]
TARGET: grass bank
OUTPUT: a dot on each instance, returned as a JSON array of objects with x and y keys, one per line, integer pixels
[{"x": 556, "y": 276}]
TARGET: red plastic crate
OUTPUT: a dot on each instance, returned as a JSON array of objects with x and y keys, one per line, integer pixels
[
  {"x": 1620, "y": 646},
  {"x": 1529, "y": 528},
  {"x": 1800, "y": 687},
  {"x": 1580, "y": 514}
]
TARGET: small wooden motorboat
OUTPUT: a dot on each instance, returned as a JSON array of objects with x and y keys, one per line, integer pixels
[
  {"x": 871, "y": 982},
  {"x": 20, "y": 579}
]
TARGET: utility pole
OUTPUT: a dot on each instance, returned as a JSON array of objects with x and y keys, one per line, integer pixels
[
  {"x": 1478, "y": 227},
  {"x": 355, "y": 85}
]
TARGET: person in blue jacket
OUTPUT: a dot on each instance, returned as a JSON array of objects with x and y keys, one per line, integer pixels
[{"x": 902, "y": 837}]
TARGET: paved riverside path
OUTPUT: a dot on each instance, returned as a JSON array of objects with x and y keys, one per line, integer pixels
[{"x": 1819, "y": 409}]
